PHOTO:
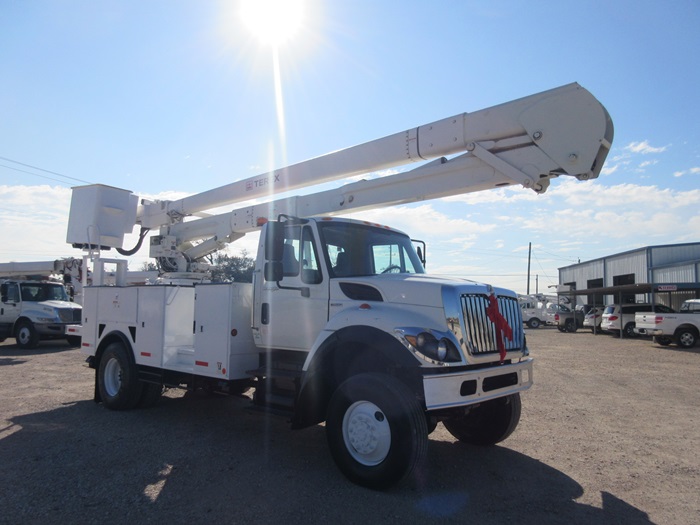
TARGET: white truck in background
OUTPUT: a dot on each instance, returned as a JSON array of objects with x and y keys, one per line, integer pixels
[
  {"x": 535, "y": 310},
  {"x": 341, "y": 323},
  {"x": 36, "y": 301},
  {"x": 682, "y": 327}
]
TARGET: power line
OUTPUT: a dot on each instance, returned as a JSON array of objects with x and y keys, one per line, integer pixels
[
  {"x": 562, "y": 257},
  {"x": 30, "y": 173},
  {"x": 39, "y": 169}
]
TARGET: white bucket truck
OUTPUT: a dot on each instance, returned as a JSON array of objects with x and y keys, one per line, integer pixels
[
  {"x": 341, "y": 323},
  {"x": 36, "y": 301}
]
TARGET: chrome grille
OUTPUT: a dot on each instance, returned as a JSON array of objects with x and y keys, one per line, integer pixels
[
  {"x": 69, "y": 315},
  {"x": 480, "y": 337}
]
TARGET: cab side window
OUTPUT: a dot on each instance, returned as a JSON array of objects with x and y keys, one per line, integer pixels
[
  {"x": 299, "y": 257},
  {"x": 310, "y": 269},
  {"x": 10, "y": 293}
]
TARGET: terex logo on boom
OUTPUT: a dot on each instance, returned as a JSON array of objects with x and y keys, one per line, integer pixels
[{"x": 259, "y": 183}]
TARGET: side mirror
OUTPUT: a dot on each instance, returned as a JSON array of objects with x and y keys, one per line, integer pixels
[
  {"x": 274, "y": 242},
  {"x": 273, "y": 271}
]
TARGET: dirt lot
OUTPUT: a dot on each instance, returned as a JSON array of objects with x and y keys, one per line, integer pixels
[{"x": 610, "y": 433}]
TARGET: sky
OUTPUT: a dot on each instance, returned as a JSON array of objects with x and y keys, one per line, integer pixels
[{"x": 168, "y": 98}]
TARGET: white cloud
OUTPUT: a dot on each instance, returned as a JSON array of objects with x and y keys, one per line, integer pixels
[
  {"x": 680, "y": 173},
  {"x": 424, "y": 221},
  {"x": 607, "y": 170},
  {"x": 33, "y": 223},
  {"x": 644, "y": 148},
  {"x": 596, "y": 194}
]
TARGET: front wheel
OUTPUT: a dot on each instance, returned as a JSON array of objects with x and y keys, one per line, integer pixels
[
  {"x": 487, "y": 424},
  {"x": 117, "y": 379},
  {"x": 376, "y": 429},
  {"x": 533, "y": 323},
  {"x": 26, "y": 335},
  {"x": 629, "y": 330}
]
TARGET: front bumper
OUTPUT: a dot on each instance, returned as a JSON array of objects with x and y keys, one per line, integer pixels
[
  {"x": 50, "y": 330},
  {"x": 475, "y": 386}
]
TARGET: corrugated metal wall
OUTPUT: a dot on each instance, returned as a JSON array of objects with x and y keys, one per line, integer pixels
[
  {"x": 686, "y": 273},
  {"x": 582, "y": 273},
  {"x": 674, "y": 253},
  {"x": 628, "y": 263}
]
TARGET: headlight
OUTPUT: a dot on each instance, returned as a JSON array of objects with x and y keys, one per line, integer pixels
[{"x": 427, "y": 345}]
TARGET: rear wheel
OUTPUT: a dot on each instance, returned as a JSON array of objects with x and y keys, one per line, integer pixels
[
  {"x": 629, "y": 330},
  {"x": 376, "y": 429},
  {"x": 117, "y": 379},
  {"x": 686, "y": 337},
  {"x": 663, "y": 340},
  {"x": 487, "y": 424},
  {"x": 570, "y": 326},
  {"x": 26, "y": 335}
]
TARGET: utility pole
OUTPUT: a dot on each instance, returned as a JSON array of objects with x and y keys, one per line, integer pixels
[{"x": 529, "y": 253}]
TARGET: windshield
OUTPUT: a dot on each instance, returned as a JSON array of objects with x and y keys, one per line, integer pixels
[
  {"x": 353, "y": 250},
  {"x": 43, "y": 292}
]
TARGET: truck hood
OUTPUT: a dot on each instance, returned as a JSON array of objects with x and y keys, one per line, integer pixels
[
  {"x": 421, "y": 289},
  {"x": 58, "y": 304}
]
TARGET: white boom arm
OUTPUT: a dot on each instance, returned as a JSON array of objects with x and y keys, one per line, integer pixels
[
  {"x": 563, "y": 131},
  {"x": 67, "y": 266}
]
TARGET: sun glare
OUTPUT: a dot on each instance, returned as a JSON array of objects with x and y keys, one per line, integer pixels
[{"x": 273, "y": 22}]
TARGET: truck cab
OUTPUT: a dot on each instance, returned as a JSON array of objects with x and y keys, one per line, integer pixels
[
  {"x": 35, "y": 310},
  {"x": 335, "y": 297}
]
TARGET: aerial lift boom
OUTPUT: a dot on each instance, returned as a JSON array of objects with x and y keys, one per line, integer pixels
[{"x": 527, "y": 141}]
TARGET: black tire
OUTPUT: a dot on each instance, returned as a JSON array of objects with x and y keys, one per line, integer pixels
[
  {"x": 432, "y": 423},
  {"x": 117, "y": 379},
  {"x": 74, "y": 340},
  {"x": 376, "y": 430},
  {"x": 686, "y": 337},
  {"x": 629, "y": 330},
  {"x": 489, "y": 423},
  {"x": 26, "y": 335},
  {"x": 570, "y": 326},
  {"x": 150, "y": 395},
  {"x": 663, "y": 340},
  {"x": 534, "y": 323}
]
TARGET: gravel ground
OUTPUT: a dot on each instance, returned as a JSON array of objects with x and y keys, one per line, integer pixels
[{"x": 610, "y": 433}]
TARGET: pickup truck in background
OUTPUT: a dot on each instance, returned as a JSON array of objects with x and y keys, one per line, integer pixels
[
  {"x": 568, "y": 320},
  {"x": 682, "y": 328}
]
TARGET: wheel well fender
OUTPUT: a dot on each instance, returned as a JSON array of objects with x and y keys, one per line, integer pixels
[
  {"x": 688, "y": 327},
  {"x": 94, "y": 361},
  {"x": 18, "y": 322},
  {"x": 350, "y": 351},
  {"x": 112, "y": 337}
]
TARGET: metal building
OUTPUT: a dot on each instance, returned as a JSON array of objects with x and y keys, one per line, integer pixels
[{"x": 667, "y": 274}]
